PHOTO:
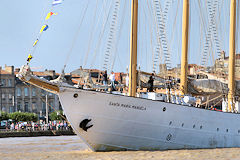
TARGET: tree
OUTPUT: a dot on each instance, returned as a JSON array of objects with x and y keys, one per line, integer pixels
[
  {"x": 57, "y": 115},
  {"x": 4, "y": 116},
  {"x": 23, "y": 116}
]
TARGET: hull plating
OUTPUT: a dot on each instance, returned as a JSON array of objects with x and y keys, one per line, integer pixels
[{"x": 127, "y": 123}]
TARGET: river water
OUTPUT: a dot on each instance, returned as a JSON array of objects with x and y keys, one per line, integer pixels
[{"x": 72, "y": 148}]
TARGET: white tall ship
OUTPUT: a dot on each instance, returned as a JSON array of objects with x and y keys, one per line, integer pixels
[{"x": 107, "y": 121}]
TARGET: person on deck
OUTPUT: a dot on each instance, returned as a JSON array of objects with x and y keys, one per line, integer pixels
[
  {"x": 150, "y": 84},
  {"x": 105, "y": 79},
  {"x": 127, "y": 82},
  {"x": 112, "y": 79}
]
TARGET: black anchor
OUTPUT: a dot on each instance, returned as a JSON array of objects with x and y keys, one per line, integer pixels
[{"x": 83, "y": 124}]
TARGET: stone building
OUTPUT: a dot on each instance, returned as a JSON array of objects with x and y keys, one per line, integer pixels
[
  {"x": 19, "y": 96},
  {"x": 7, "y": 89},
  {"x": 221, "y": 64}
]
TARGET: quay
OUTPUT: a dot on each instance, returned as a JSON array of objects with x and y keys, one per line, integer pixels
[{"x": 6, "y": 134}]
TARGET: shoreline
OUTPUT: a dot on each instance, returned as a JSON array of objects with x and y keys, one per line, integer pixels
[{"x": 7, "y": 134}]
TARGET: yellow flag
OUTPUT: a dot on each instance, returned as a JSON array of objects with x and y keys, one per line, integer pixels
[
  {"x": 44, "y": 28},
  {"x": 49, "y": 15},
  {"x": 29, "y": 58},
  {"x": 34, "y": 44}
]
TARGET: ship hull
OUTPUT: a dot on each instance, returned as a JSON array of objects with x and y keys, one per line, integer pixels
[{"x": 125, "y": 123}]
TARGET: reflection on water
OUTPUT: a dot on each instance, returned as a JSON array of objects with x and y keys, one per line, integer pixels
[{"x": 41, "y": 144}]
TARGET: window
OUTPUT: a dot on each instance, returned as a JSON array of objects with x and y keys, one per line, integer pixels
[
  {"x": 50, "y": 108},
  {"x": 11, "y": 110},
  {"x": 3, "y": 82},
  {"x": 4, "y": 109},
  {"x": 18, "y": 106},
  {"x": 10, "y": 96},
  {"x": 34, "y": 92},
  {"x": 9, "y": 82},
  {"x": 34, "y": 107},
  {"x": 26, "y": 106},
  {"x": 19, "y": 92},
  {"x": 3, "y": 96},
  {"x": 26, "y": 91}
]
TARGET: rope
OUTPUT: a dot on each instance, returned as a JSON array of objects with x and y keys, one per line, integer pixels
[
  {"x": 101, "y": 33},
  {"x": 210, "y": 100},
  {"x": 120, "y": 34},
  {"x": 91, "y": 36},
  {"x": 75, "y": 38}
]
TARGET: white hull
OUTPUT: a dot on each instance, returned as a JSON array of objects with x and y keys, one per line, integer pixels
[{"x": 127, "y": 123}]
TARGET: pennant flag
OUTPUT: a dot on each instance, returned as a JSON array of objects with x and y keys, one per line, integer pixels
[
  {"x": 29, "y": 58},
  {"x": 49, "y": 15},
  {"x": 34, "y": 44},
  {"x": 56, "y": 2},
  {"x": 44, "y": 28}
]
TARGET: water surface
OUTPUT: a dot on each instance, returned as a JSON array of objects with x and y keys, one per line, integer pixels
[{"x": 72, "y": 148}]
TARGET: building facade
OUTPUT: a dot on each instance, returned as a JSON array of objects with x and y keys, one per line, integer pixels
[
  {"x": 19, "y": 96},
  {"x": 221, "y": 64}
]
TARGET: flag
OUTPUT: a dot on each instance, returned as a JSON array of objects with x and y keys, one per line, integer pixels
[
  {"x": 29, "y": 57},
  {"x": 56, "y": 2},
  {"x": 49, "y": 15},
  {"x": 44, "y": 28},
  {"x": 34, "y": 44}
]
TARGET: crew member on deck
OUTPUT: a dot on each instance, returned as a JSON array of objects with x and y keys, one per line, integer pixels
[
  {"x": 112, "y": 79},
  {"x": 150, "y": 83},
  {"x": 105, "y": 79}
]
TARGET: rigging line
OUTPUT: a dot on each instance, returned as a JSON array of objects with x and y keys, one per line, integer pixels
[
  {"x": 151, "y": 29},
  {"x": 32, "y": 50},
  {"x": 91, "y": 35},
  {"x": 112, "y": 35},
  {"x": 220, "y": 8},
  {"x": 106, "y": 15},
  {"x": 204, "y": 24},
  {"x": 159, "y": 44},
  {"x": 146, "y": 37},
  {"x": 174, "y": 24},
  {"x": 75, "y": 37},
  {"x": 120, "y": 34},
  {"x": 202, "y": 29}
]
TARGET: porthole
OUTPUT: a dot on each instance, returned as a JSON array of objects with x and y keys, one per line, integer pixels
[
  {"x": 238, "y": 131},
  {"x": 170, "y": 123},
  {"x": 164, "y": 109},
  {"x": 194, "y": 126},
  {"x": 226, "y": 130},
  {"x": 200, "y": 127},
  {"x": 217, "y": 129},
  {"x": 169, "y": 137},
  {"x": 182, "y": 124},
  {"x": 75, "y": 95}
]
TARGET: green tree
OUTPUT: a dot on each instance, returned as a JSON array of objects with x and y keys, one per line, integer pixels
[
  {"x": 23, "y": 116},
  {"x": 4, "y": 116},
  {"x": 57, "y": 115}
]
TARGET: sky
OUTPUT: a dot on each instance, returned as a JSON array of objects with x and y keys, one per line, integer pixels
[{"x": 79, "y": 35}]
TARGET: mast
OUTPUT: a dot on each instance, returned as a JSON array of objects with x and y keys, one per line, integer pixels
[
  {"x": 184, "y": 58},
  {"x": 133, "y": 50},
  {"x": 231, "y": 65}
]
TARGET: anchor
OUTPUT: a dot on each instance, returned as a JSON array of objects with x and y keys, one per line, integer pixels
[{"x": 83, "y": 124}]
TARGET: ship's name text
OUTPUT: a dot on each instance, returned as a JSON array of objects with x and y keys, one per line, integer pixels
[{"x": 127, "y": 106}]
